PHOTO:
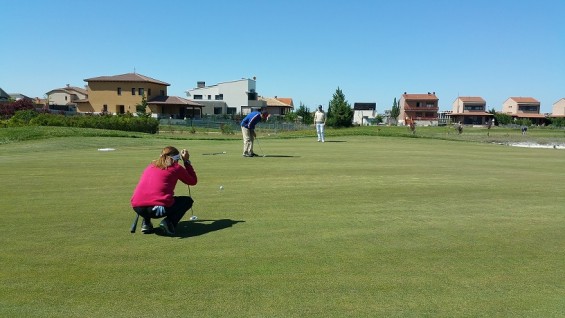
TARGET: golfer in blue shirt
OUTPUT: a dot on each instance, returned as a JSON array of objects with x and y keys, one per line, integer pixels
[{"x": 248, "y": 130}]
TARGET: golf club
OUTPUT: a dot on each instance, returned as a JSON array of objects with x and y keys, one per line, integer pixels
[
  {"x": 260, "y": 148},
  {"x": 192, "y": 217},
  {"x": 134, "y": 224},
  {"x": 214, "y": 153}
]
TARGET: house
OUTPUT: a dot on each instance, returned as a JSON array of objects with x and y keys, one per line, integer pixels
[
  {"x": 558, "y": 108},
  {"x": 421, "y": 109},
  {"x": 233, "y": 97},
  {"x": 470, "y": 110},
  {"x": 120, "y": 94},
  {"x": 4, "y": 97},
  {"x": 18, "y": 96},
  {"x": 66, "y": 95},
  {"x": 277, "y": 106},
  {"x": 524, "y": 108},
  {"x": 364, "y": 113}
]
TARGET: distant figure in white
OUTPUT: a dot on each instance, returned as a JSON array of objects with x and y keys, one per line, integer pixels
[{"x": 320, "y": 122}]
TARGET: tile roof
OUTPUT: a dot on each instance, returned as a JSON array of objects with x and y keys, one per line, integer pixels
[
  {"x": 471, "y": 99},
  {"x": 528, "y": 115},
  {"x": 524, "y": 100},
  {"x": 173, "y": 100},
  {"x": 273, "y": 101},
  {"x": 286, "y": 100},
  {"x": 428, "y": 96},
  {"x": 69, "y": 90},
  {"x": 128, "y": 77}
]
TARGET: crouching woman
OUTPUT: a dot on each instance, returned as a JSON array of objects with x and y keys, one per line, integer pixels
[{"x": 154, "y": 198}]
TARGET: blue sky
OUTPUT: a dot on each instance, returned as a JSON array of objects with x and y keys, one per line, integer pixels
[{"x": 373, "y": 50}]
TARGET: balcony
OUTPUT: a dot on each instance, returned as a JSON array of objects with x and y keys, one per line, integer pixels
[{"x": 424, "y": 108}]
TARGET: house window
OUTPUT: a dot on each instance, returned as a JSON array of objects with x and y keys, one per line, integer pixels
[
  {"x": 417, "y": 104},
  {"x": 217, "y": 110},
  {"x": 197, "y": 96},
  {"x": 209, "y": 97},
  {"x": 473, "y": 108},
  {"x": 430, "y": 105},
  {"x": 65, "y": 97},
  {"x": 105, "y": 108},
  {"x": 119, "y": 91},
  {"x": 219, "y": 97},
  {"x": 149, "y": 92},
  {"x": 133, "y": 91},
  {"x": 141, "y": 92},
  {"x": 162, "y": 93},
  {"x": 528, "y": 108}
]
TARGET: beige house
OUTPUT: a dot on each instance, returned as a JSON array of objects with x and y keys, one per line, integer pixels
[
  {"x": 470, "y": 110},
  {"x": 421, "y": 109},
  {"x": 120, "y": 94},
  {"x": 278, "y": 106},
  {"x": 524, "y": 108},
  {"x": 66, "y": 95},
  {"x": 558, "y": 108}
]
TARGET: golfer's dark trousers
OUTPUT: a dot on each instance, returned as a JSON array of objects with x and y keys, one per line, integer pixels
[{"x": 173, "y": 213}]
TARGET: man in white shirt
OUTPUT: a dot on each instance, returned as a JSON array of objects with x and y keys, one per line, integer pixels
[{"x": 320, "y": 122}]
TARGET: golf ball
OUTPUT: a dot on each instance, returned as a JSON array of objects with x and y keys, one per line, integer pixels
[{"x": 221, "y": 187}]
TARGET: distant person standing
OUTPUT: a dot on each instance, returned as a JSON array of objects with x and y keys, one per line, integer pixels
[
  {"x": 459, "y": 128},
  {"x": 524, "y": 130},
  {"x": 320, "y": 122},
  {"x": 248, "y": 130}
]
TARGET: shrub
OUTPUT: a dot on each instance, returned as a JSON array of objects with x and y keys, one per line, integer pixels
[{"x": 226, "y": 129}]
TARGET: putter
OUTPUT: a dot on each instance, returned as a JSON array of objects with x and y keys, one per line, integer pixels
[
  {"x": 134, "y": 224},
  {"x": 192, "y": 216},
  {"x": 260, "y": 148},
  {"x": 214, "y": 153}
]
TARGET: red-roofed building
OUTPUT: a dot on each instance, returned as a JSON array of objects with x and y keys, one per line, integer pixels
[
  {"x": 419, "y": 108},
  {"x": 120, "y": 94},
  {"x": 470, "y": 110},
  {"x": 558, "y": 108},
  {"x": 277, "y": 105},
  {"x": 524, "y": 108}
]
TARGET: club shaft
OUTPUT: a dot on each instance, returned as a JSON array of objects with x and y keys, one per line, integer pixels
[{"x": 134, "y": 224}]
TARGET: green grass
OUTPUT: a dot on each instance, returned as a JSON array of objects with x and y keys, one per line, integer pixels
[{"x": 361, "y": 226}]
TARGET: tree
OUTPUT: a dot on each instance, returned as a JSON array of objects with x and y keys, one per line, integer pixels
[
  {"x": 8, "y": 110},
  {"x": 502, "y": 119},
  {"x": 395, "y": 111},
  {"x": 141, "y": 107},
  {"x": 304, "y": 112},
  {"x": 340, "y": 113}
]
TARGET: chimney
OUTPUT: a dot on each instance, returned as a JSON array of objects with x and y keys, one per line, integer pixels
[
  {"x": 434, "y": 93},
  {"x": 68, "y": 85},
  {"x": 200, "y": 84}
]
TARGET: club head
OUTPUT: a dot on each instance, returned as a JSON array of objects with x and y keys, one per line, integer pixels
[{"x": 193, "y": 218}]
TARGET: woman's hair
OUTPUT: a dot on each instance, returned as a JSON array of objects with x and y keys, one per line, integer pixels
[{"x": 165, "y": 159}]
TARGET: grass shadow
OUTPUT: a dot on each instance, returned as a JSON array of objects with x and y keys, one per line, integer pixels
[
  {"x": 279, "y": 156},
  {"x": 187, "y": 229}
]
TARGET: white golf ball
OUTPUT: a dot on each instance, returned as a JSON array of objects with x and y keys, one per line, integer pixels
[{"x": 221, "y": 187}]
